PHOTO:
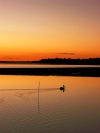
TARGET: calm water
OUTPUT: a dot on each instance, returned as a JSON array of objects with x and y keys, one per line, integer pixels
[
  {"x": 49, "y": 110},
  {"x": 42, "y": 66}
]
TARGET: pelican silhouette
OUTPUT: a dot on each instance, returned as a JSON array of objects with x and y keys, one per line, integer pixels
[{"x": 62, "y": 88}]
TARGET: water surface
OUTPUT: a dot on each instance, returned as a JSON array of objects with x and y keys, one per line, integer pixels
[
  {"x": 43, "y": 66},
  {"x": 26, "y": 109}
]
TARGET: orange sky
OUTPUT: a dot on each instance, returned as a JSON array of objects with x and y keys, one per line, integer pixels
[{"x": 35, "y": 29}]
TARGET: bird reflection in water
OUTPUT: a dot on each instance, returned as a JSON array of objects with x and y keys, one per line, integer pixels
[{"x": 62, "y": 88}]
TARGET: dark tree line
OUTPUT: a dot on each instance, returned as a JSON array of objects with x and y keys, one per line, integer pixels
[
  {"x": 90, "y": 61},
  {"x": 69, "y": 61}
]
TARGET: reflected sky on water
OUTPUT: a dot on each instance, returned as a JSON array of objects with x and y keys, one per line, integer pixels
[
  {"x": 43, "y": 66},
  {"x": 26, "y": 107}
]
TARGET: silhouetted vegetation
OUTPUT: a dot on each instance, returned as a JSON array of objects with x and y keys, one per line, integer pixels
[
  {"x": 76, "y": 71},
  {"x": 68, "y": 61},
  {"x": 90, "y": 61}
]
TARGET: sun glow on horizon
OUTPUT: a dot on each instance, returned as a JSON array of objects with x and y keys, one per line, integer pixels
[{"x": 31, "y": 30}]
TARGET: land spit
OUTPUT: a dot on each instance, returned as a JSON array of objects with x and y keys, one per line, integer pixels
[{"x": 83, "y": 71}]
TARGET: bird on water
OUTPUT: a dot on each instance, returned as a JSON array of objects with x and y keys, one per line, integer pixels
[{"x": 62, "y": 88}]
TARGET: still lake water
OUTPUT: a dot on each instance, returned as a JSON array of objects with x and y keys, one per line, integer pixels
[
  {"x": 43, "y": 66},
  {"x": 25, "y": 109}
]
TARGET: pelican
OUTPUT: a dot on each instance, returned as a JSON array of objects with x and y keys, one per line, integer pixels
[{"x": 62, "y": 88}]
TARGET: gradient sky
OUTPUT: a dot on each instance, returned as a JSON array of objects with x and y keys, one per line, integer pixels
[{"x": 35, "y": 29}]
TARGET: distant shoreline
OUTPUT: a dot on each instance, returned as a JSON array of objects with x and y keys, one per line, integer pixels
[
  {"x": 58, "y": 61},
  {"x": 87, "y": 71}
]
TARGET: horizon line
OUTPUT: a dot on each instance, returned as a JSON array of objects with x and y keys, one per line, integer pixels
[{"x": 47, "y": 59}]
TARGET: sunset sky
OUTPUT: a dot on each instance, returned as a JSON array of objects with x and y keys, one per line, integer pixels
[{"x": 35, "y": 29}]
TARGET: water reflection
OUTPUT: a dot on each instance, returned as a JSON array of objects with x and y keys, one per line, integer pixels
[
  {"x": 45, "y": 108},
  {"x": 43, "y": 66},
  {"x": 23, "y": 96},
  {"x": 1, "y": 100}
]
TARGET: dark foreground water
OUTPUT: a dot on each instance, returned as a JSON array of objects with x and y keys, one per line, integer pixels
[{"x": 26, "y": 109}]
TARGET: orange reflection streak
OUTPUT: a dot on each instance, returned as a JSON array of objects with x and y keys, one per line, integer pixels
[{"x": 72, "y": 84}]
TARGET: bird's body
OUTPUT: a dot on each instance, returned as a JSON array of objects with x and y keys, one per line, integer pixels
[{"x": 62, "y": 88}]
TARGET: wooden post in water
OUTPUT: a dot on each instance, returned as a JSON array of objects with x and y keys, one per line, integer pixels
[{"x": 38, "y": 98}]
